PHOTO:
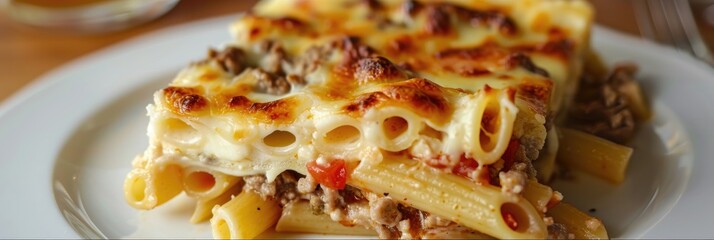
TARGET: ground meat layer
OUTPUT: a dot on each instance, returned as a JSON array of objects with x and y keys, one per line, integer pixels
[{"x": 351, "y": 206}]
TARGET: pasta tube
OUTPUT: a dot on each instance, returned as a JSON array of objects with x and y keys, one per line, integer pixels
[
  {"x": 201, "y": 183},
  {"x": 204, "y": 207},
  {"x": 578, "y": 223},
  {"x": 480, "y": 207},
  {"x": 153, "y": 186},
  {"x": 593, "y": 155},
  {"x": 245, "y": 216},
  {"x": 298, "y": 217},
  {"x": 539, "y": 195}
]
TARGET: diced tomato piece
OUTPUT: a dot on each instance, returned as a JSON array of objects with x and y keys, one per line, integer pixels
[
  {"x": 510, "y": 220},
  {"x": 509, "y": 156},
  {"x": 464, "y": 167},
  {"x": 333, "y": 175}
]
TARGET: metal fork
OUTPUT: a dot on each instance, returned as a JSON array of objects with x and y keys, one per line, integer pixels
[{"x": 671, "y": 22}]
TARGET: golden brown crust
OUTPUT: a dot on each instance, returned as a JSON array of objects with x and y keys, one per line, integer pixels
[
  {"x": 352, "y": 51},
  {"x": 536, "y": 89},
  {"x": 558, "y": 45},
  {"x": 185, "y": 100},
  {"x": 422, "y": 96},
  {"x": 376, "y": 70},
  {"x": 381, "y": 54},
  {"x": 477, "y": 18},
  {"x": 278, "y": 111},
  {"x": 264, "y": 24},
  {"x": 477, "y": 60},
  {"x": 438, "y": 20}
]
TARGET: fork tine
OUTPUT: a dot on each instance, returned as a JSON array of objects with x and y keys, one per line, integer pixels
[
  {"x": 676, "y": 26},
  {"x": 671, "y": 22},
  {"x": 651, "y": 21},
  {"x": 691, "y": 31},
  {"x": 659, "y": 20},
  {"x": 644, "y": 20}
]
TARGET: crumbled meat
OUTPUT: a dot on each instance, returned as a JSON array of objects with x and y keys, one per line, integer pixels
[
  {"x": 437, "y": 20},
  {"x": 384, "y": 232},
  {"x": 273, "y": 72},
  {"x": 512, "y": 181},
  {"x": 287, "y": 187},
  {"x": 316, "y": 204},
  {"x": 260, "y": 185},
  {"x": 376, "y": 69},
  {"x": 230, "y": 59},
  {"x": 603, "y": 110},
  {"x": 271, "y": 83},
  {"x": 353, "y": 50},
  {"x": 433, "y": 221},
  {"x": 306, "y": 185},
  {"x": 337, "y": 215},
  {"x": 406, "y": 228},
  {"x": 284, "y": 187},
  {"x": 351, "y": 206},
  {"x": 274, "y": 57},
  {"x": 332, "y": 199},
  {"x": 352, "y": 195},
  {"x": 623, "y": 79},
  {"x": 309, "y": 61},
  {"x": 384, "y": 210},
  {"x": 416, "y": 219}
]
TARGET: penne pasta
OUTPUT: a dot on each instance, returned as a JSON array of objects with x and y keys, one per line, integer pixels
[
  {"x": 480, "y": 207},
  {"x": 577, "y": 222},
  {"x": 593, "y": 155},
  {"x": 392, "y": 128},
  {"x": 205, "y": 184},
  {"x": 298, "y": 217},
  {"x": 245, "y": 216},
  {"x": 204, "y": 206},
  {"x": 147, "y": 188},
  {"x": 539, "y": 195}
]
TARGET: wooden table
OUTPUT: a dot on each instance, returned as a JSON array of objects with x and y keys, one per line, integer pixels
[{"x": 25, "y": 54}]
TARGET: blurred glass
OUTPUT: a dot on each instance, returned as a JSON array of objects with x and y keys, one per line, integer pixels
[{"x": 87, "y": 16}]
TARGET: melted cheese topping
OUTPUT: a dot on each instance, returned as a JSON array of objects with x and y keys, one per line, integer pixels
[{"x": 348, "y": 79}]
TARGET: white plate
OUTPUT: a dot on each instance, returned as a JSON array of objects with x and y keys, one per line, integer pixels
[{"x": 68, "y": 139}]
